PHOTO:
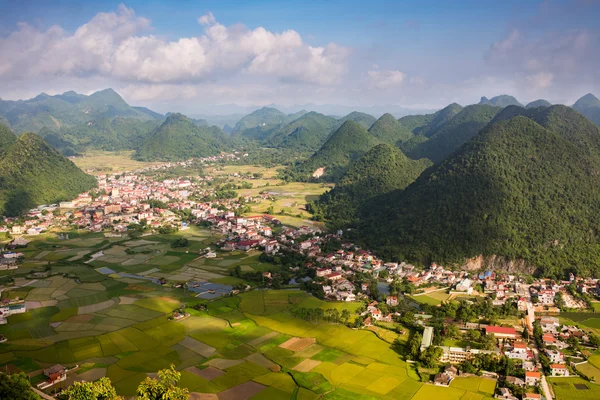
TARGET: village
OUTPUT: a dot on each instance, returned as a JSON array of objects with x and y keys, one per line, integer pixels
[{"x": 136, "y": 203}]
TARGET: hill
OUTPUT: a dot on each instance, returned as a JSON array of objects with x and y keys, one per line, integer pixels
[
  {"x": 589, "y": 105},
  {"x": 307, "y": 133},
  {"x": 382, "y": 169},
  {"x": 454, "y": 133},
  {"x": 388, "y": 130},
  {"x": 6, "y": 138},
  {"x": 66, "y": 110},
  {"x": 538, "y": 103},
  {"x": 363, "y": 119},
  {"x": 33, "y": 173},
  {"x": 503, "y": 100},
  {"x": 522, "y": 189},
  {"x": 178, "y": 139},
  {"x": 350, "y": 142},
  {"x": 259, "y": 123}
]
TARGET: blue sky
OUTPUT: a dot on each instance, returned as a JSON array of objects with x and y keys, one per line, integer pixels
[{"x": 420, "y": 54}]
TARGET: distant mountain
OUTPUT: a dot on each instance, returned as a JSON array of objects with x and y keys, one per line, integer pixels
[
  {"x": 259, "y": 123},
  {"x": 306, "y": 133},
  {"x": 388, "y": 130},
  {"x": 33, "y": 173},
  {"x": 104, "y": 134},
  {"x": 381, "y": 170},
  {"x": 151, "y": 113},
  {"x": 589, "y": 105},
  {"x": 538, "y": 103},
  {"x": 67, "y": 109},
  {"x": 7, "y": 138},
  {"x": 195, "y": 121},
  {"x": 522, "y": 193},
  {"x": 365, "y": 120},
  {"x": 178, "y": 138},
  {"x": 227, "y": 129},
  {"x": 454, "y": 133},
  {"x": 501, "y": 101},
  {"x": 350, "y": 142}
]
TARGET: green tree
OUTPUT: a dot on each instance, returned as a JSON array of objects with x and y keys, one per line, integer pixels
[
  {"x": 102, "y": 389},
  {"x": 163, "y": 388},
  {"x": 16, "y": 387}
]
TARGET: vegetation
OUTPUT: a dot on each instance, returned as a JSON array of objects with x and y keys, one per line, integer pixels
[
  {"x": 538, "y": 103},
  {"x": 7, "y": 138},
  {"x": 33, "y": 173},
  {"x": 381, "y": 170},
  {"x": 178, "y": 139},
  {"x": 363, "y": 119},
  {"x": 454, "y": 133},
  {"x": 426, "y": 125},
  {"x": 259, "y": 124},
  {"x": 388, "y": 130},
  {"x": 589, "y": 105},
  {"x": 16, "y": 387},
  {"x": 522, "y": 189},
  {"x": 501, "y": 101},
  {"x": 307, "y": 133}
]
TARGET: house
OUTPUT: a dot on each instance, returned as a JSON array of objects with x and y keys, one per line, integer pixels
[
  {"x": 506, "y": 394},
  {"x": 516, "y": 381},
  {"x": 518, "y": 351},
  {"x": 532, "y": 378},
  {"x": 55, "y": 374},
  {"x": 392, "y": 301},
  {"x": 444, "y": 378},
  {"x": 555, "y": 356},
  {"x": 559, "y": 370},
  {"x": 532, "y": 396},
  {"x": 546, "y": 297},
  {"x": 501, "y": 332},
  {"x": 465, "y": 285},
  {"x": 427, "y": 337}
]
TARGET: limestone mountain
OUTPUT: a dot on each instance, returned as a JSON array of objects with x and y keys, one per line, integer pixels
[
  {"x": 538, "y": 103},
  {"x": 258, "y": 124},
  {"x": 363, "y": 119},
  {"x": 526, "y": 187},
  {"x": 501, "y": 101},
  {"x": 589, "y": 105},
  {"x": 33, "y": 173},
  {"x": 178, "y": 138},
  {"x": 350, "y": 142},
  {"x": 7, "y": 138},
  {"x": 307, "y": 133},
  {"x": 388, "y": 130}
]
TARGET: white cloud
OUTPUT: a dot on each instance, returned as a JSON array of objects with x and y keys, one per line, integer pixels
[
  {"x": 111, "y": 45},
  {"x": 386, "y": 79},
  {"x": 541, "y": 80}
]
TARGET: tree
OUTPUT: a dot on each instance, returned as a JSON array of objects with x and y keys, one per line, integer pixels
[
  {"x": 414, "y": 346},
  {"x": 163, "y": 388},
  {"x": 102, "y": 389},
  {"x": 16, "y": 387},
  {"x": 431, "y": 356}
]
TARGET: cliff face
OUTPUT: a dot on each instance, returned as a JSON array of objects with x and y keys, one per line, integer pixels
[{"x": 499, "y": 264}]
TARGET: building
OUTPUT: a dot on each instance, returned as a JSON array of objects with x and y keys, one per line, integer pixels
[
  {"x": 518, "y": 351},
  {"x": 392, "y": 301},
  {"x": 532, "y": 396},
  {"x": 532, "y": 378},
  {"x": 464, "y": 286},
  {"x": 501, "y": 332},
  {"x": 427, "y": 338},
  {"x": 559, "y": 370},
  {"x": 11, "y": 309},
  {"x": 54, "y": 374},
  {"x": 555, "y": 356},
  {"x": 457, "y": 355}
]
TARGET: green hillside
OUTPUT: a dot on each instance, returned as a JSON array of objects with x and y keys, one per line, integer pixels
[
  {"x": 388, "y": 130},
  {"x": 503, "y": 100},
  {"x": 33, "y": 173},
  {"x": 450, "y": 136},
  {"x": 67, "y": 109},
  {"x": 178, "y": 139},
  {"x": 381, "y": 170},
  {"x": 538, "y": 103},
  {"x": 363, "y": 119},
  {"x": 258, "y": 124},
  {"x": 307, "y": 133},
  {"x": 589, "y": 105},
  {"x": 522, "y": 189},
  {"x": 6, "y": 138},
  {"x": 350, "y": 142}
]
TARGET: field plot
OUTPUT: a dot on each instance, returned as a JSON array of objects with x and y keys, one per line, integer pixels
[{"x": 574, "y": 388}]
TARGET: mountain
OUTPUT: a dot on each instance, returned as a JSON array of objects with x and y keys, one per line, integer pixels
[
  {"x": 105, "y": 134},
  {"x": 67, "y": 109},
  {"x": 454, "y": 133},
  {"x": 525, "y": 188},
  {"x": 195, "y": 121},
  {"x": 589, "y": 105},
  {"x": 7, "y": 138},
  {"x": 178, "y": 138},
  {"x": 307, "y": 133},
  {"x": 382, "y": 169},
  {"x": 388, "y": 130},
  {"x": 350, "y": 142},
  {"x": 538, "y": 103},
  {"x": 151, "y": 113},
  {"x": 257, "y": 124},
  {"x": 33, "y": 173},
  {"x": 365, "y": 120},
  {"x": 501, "y": 101},
  {"x": 438, "y": 119}
]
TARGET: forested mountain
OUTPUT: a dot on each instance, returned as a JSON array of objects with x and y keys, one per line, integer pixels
[
  {"x": 6, "y": 138},
  {"x": 503, "y": 100},
  {"x": 589, "y": 105},
  {"x": 538, "y": 103},
  {"x": 307, "y": 133},
  {"x": 33, "y": 173},
  {"x": 104, "y": 134},
  {"x": 388, "y": 130},
  {"x": 450, "y": 136},
  {"x": 259, "y": 124},
  {"x": 363, "y": 119},
  {"x": 178, "y": 139},
  {"x": 68, "y": 109},
  {"x": 382, "y": 169},
  {"x": 526, "y": 187},
  {"x": 350, "y": 142},
  {"x": 199, "y": 121}
]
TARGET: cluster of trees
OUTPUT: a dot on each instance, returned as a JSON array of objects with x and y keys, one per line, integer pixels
[
  {"x": 428, "y": 358},
  {"x": 181, "y": 242},
  {"x": 318, "y": 315}
]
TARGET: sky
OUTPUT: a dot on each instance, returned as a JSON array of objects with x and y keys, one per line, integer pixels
[{"x": 201, "y": 56}]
